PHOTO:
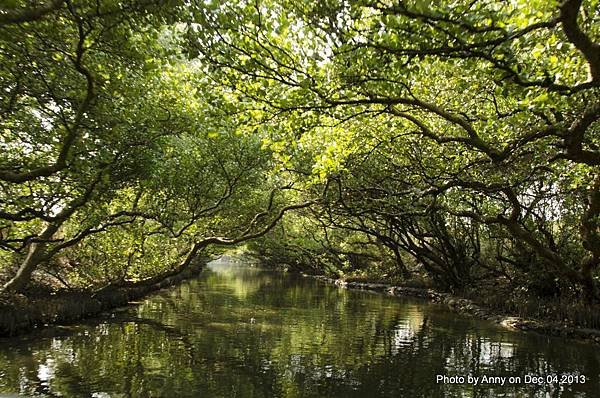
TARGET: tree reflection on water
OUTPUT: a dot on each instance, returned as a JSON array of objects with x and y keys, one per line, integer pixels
[{"x": 305, "y": 339}]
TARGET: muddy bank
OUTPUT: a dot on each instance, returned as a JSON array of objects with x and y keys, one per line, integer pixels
[
  {"x": 20, "y": 313},
  {"x": 469, "y": 307}
]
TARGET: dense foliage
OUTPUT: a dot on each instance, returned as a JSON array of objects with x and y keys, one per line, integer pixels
[
  {"x": 451, "y": 141},
  {"x": 120, "y": 159}
]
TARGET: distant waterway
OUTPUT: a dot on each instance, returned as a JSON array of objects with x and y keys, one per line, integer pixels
[{"x": 239, "y": 331}]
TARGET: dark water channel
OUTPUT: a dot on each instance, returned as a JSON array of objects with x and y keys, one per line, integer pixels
[{"x": 242, "y": 332}]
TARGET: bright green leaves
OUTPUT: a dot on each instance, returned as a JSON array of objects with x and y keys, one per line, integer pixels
[
  {"x": 456, "y": 107},
  {"x": 390, "y": 99}
]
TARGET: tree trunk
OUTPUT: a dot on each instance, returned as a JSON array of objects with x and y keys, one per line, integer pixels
[
  {"x": 403, "y": 270},
  {"x": 35, "y": 256},
  {"x": 590, "y": 236},
  {"x": 590, "y": 288}
]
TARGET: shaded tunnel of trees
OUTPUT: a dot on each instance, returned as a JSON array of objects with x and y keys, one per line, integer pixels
[{"x": 452, "y": 143}]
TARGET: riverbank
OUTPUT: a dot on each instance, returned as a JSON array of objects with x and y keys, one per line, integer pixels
[
  {"x": 20, "y": 313},
  {"x": 468, "y": 307}
]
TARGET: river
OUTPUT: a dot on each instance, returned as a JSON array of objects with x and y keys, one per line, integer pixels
[{"x": 238, "y": 331}]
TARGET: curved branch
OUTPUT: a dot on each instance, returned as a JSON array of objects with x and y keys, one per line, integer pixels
[
  {"x": 574, "y": 137},
  {"x": 569, "y": 11},
  {"x": 216, "y": 240},
  {"x": 73, "y": 131},
  {"x": 29, "y": 14}
]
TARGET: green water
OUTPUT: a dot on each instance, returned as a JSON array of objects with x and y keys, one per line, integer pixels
[{"x": 242, "y": 332}]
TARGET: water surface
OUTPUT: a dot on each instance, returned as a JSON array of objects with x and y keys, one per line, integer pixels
[{"x": 239, "y": 331}]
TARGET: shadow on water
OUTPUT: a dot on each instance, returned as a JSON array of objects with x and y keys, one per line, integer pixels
[{"x": 239, "y": 331}]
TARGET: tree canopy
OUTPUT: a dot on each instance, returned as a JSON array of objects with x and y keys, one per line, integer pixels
[{"x": 453, "y": 140}]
